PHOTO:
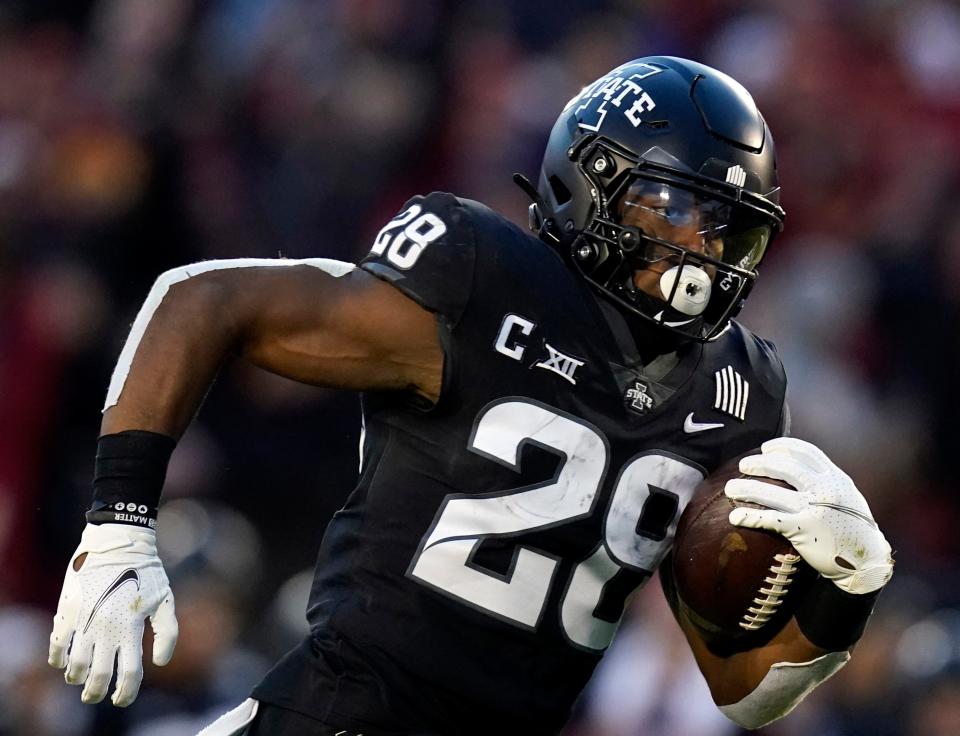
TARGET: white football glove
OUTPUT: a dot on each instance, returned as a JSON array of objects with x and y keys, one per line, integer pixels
[
  {"x": 103, "y": 607},
  {"x": 826, "y": 519}
]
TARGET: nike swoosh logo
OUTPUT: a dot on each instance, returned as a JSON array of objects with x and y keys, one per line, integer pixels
[
  {"x": 846, "y": 510},
  {"x": 127, "y": 576},
  {"x": 690, "y": 426}
]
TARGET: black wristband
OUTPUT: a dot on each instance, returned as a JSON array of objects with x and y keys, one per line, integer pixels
[
  {"x": 831, "y": 618},
  {"x": 128, "y": 477}
]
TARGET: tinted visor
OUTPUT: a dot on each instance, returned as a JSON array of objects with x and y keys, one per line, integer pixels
[{"x": 721, "y": 231}]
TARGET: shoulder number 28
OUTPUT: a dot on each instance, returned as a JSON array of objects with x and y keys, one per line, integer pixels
[
  {"x": 444, "y": 559},
  {"x": 404, "y": 238}
]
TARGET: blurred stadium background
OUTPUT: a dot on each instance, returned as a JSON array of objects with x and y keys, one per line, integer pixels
[{"x": 136, "y": 135}]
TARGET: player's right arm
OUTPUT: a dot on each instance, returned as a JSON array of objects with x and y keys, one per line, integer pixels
[{"x": 316, "y": 321}]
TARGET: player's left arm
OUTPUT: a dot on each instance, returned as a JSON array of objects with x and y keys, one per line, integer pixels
[{"x": 830, "y": 525}]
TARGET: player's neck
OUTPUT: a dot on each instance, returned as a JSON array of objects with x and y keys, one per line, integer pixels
[
  {"x": 642, "y": 341},
  {"x": 653, "y": 342}
]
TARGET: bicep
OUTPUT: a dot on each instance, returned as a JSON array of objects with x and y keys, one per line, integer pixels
[{"x": 348, "y": 330}]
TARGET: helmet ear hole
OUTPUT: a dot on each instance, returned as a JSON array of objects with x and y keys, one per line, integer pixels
[{"x": 561, "y": 194}]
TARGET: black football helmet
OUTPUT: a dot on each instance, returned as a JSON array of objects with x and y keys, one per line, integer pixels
[{"x": 663, "y": 166}]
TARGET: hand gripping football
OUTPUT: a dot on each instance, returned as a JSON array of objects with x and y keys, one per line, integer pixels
[{"x": 730, "y": 580}]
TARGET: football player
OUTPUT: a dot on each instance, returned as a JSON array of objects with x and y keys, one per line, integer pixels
[{"x": 537, "y": 412}]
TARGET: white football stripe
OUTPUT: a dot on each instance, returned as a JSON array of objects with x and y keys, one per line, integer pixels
[
  {"x": 727, "y": 389},
  {"x": 736, "y": 175},
  {"x": 732, "y": 392},
  {"x": 735, "y": 406}
]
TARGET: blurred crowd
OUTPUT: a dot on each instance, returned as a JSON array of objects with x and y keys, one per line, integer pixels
[{"x": 137, "y": 135}]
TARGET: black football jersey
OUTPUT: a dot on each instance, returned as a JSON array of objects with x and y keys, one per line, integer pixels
[{"x": 480, "y": 568}]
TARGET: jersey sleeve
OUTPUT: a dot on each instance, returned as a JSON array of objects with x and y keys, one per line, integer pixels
[
  {"x": 428, "y": 251},
  {"x": 771, "y": 371}
]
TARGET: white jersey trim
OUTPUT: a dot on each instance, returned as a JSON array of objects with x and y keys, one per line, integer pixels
[
  {"x": 782, "y": 688},
  {"x": 232, "y": 722},
  {"x": 182, "y": 273}
]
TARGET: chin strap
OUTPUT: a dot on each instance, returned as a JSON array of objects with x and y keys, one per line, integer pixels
[{"x": 544, "y": 228}]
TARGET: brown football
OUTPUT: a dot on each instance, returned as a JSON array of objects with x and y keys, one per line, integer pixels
[{"x": 730, "y": 580}]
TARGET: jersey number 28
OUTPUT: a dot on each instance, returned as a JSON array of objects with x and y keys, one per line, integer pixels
[{"x": 639, "y": 522}]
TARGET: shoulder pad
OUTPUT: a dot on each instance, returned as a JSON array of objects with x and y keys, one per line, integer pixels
[
  {"x": 428, "y": 252},
  {"x": 765, "y": 364},
  {"x": 761, "y": 354}
]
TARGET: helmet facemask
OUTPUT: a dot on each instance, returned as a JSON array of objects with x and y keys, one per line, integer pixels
[
  {"x": 697, "y": 134},
  {"x": 677, "y": 249}
]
